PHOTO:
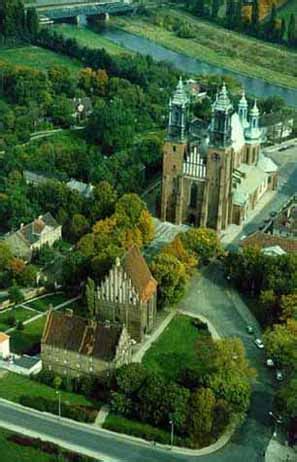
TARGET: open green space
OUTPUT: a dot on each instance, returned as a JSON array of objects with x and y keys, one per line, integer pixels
[
  {"x": 37, "y": 58},
  {"x": 175, "y": 348},
  {"x": 43, "y": 304},
  {"x": 221, "y": 47},
  {"x": 13, "y": 386},
  {"x": 27, "y": 340},
  {"x": 88, "y": 38},
  {"x": 19, "y": 313}
]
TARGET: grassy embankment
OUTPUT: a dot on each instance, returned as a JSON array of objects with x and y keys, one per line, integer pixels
[
  {"x": 37, "y": 58},
  {"x": 90, "y": 39},
  {"x": 220, "y": 47},
  {"x": 13, "y": 386}
]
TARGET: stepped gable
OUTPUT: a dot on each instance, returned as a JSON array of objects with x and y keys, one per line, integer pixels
[{"x": 137, "y": 269}]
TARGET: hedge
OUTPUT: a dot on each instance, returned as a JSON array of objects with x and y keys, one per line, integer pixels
[
  {"x": 79, "y": 413},
  {"x": 120, "y": 424}
]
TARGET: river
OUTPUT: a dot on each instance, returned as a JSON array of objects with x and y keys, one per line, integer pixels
[{"x": 253, "y": 86}]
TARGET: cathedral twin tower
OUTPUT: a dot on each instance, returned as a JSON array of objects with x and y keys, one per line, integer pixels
[{"x": 216, "y": 186}]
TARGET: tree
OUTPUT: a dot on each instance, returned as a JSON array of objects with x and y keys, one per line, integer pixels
[
  {"x": 283, "y": 29},
  {"x": 104, "y": 199},
  {"x": 177, "y": 249},
  {"x": 28, "y": 276},
  {"x": 281, "y": 343},
  {"x": 286, "y": 398},
  {"x": 61, "y": 112},
  {"x": 130, "y": 378},
  {"x": 202, "y": 415},
  {"x": 255, "y": 19},
  {"x": 288, "y": 305},
  {"x": 171, "y": 276},
  {"x": 292, "y": 33},
  {"x": 215, "y": 8},
  {"x": 15, "y": 295},
  {"x": 202, "y": 242},
  {"x": 78, "y": 227},
  {"x": 17, "y": 266},
  {"x": 91, "y": 298},
  {"x": 5, "y": 256},
  {"x": 32, "y": 22}
]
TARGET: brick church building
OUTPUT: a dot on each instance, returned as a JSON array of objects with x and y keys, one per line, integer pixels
[{"x": 216, "y": 182}]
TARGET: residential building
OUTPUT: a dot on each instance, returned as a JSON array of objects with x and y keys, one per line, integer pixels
[
  {"x": 128, "y": 295},
  {"x": 4, "y": 345},
  {"x": 73, "y": 346},
  {"x": 216, "y": 179},
  {"x": 44, "y": 230},
  {"x": 84, "y": 189}
]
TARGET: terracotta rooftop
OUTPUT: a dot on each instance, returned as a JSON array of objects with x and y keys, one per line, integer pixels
[
  {"x": 3, "y": 337},
  {"x": 137, "y": 269},
  {"x": 73, "y": 333},
  {"x": 263, "y": 240}
]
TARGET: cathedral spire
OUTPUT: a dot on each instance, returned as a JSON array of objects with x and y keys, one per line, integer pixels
[
  {"x": 221, "y": 119},
  {"x": 243, "y": 110},
  {"x": 253, "y": 132},
  {"x": 178, "y": 113}
]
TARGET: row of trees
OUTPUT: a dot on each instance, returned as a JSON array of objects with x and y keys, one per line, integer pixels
[
  {"x": 16, "y": 23},
  {"x": 248, "y": 19},
  {"x": 14, "y": 272}
]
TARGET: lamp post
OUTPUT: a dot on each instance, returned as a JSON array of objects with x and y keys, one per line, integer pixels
[
  {"x": 59, "y": 402},
  {"x": 171, "y": 423}
]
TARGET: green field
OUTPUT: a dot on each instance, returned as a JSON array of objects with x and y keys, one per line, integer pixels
[
  {"x": 220, "y": 47},
  {"x": 175, "y": 348},
  {"x": 42, "y": 304},
  {"x": 37, "y": 58},
  {"x": 88, "y": 38},
  {"x": 20, "y": 314},
  {"x": 23, "y": 341},
  {"x": 13, "y": 386}
]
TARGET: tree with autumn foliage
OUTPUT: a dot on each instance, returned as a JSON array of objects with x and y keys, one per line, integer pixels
[
  {"x": 171, "y": 276},
  {"x": 202, "y": 242},
  {"x": 177, "y": 249},
  {"x": 288, "y": 306},
  {"x": 281, "y": 343}
]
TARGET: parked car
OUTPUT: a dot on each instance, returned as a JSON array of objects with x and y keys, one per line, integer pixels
[
  {"x": 250, "y": 329},
  {"x": 279, "y": 376},
  {"x": 269, "y": 362},
  {"x": 259, "y": 344}
]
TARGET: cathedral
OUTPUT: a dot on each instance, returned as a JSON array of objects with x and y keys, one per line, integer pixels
[{"x": 217, "y": 181}]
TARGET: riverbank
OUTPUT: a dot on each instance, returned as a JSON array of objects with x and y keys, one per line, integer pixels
[{"x": 219, "y": 47}]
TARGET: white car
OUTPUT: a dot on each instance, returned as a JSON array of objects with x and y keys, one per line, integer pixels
[
  {"x": 259, "y": 344},
  {"x": 279, "y": 376},
  {"x": 269, "y": 362}
]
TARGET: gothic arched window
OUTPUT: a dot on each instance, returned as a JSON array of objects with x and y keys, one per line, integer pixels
[{"x": 194, "y": 195}]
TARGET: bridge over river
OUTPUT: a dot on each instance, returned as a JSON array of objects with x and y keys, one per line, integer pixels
[{"x": 64, "y": 9}]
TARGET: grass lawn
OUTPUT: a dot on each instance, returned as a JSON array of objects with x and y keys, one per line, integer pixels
[
  {"x": 27, "y": 340},
  {"x": 20, "y": 314},
  {"x": 38, "y": 58},
  {"x": 42, "y": 304},
  {"x": 221, "y": 47},
  {"x": 89, "y": 38},
  {"x": 175, "y": 348},
  {"x": 13, "y": 386}
]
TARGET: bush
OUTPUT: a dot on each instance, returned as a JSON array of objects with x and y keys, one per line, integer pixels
[{"x": 79, "y": 413}]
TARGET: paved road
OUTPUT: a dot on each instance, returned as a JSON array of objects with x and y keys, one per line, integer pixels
[
  {"x": 210, "y": 295},
  {"x": 287, "y": 163}
]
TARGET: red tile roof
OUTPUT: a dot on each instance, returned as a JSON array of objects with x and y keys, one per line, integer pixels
[
  {"x": 137, "y": 269},
  {"x": 73, "y": 333}
]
